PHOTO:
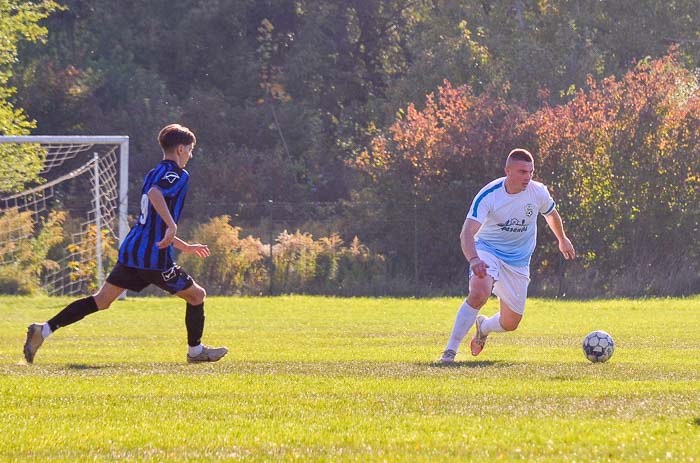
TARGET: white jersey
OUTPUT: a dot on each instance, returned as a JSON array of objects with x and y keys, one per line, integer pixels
[{"x": 509, "y": 221}]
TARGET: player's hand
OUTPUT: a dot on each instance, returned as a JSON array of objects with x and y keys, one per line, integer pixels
[
  {"x": 478, "y": 267},
  {"x": 200, "y": 250},
  {"x": 167, "y": 238},
  {"x": 567, "y": 249}
]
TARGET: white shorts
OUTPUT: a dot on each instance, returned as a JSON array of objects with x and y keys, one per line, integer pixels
[{"x": 510, "y": 282}]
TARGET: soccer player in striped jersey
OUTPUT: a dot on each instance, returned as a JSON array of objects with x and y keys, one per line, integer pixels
[
  {"x": 497, "y": 239},
  {"x": 146, "y": 254}
]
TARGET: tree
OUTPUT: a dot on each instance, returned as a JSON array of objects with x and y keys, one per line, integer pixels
[
  {"x": 427, "y": 166},
  {"x": 550, "y": 45},
  {"x": 18, "y": 21},
  {"x": 623, "y": 156},
  {"x": 338, "y": 70}
]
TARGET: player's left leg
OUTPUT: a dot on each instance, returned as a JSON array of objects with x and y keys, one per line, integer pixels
[
  {"x": 504, "y": 320},
  {"x": 73, "y": 312},
  {"x": 195, "y": 296}
]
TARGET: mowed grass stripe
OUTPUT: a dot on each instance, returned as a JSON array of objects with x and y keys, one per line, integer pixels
[{"x": 318, "y": 378}]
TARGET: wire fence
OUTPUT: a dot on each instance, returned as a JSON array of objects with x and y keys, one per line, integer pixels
[
  {"x": 267, "y": 220},
  {"x": 419, "y": 243}
]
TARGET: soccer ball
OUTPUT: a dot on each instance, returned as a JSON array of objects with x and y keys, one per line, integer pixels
[{"x": 598, "y": 346}]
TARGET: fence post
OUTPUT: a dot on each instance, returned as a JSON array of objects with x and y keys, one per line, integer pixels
[
  {"x": 98, "y": 219},
  {"x": 415, "y": 241},
  {"x": 271, "y": 237},
  {"x": 562, "y": 277}
]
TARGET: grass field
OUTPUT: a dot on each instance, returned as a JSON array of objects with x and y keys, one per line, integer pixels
[{"x": 326, "y": 379}]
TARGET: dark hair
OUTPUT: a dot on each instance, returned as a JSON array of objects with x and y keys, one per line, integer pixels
[
  {"x": 519, "y": 154},
  {"x": 173, "y": 135}
]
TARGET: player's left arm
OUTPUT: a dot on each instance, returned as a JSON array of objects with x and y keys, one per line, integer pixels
[
  {"x": 555, "y": 224},
  {"x": 201, "y": 250}
]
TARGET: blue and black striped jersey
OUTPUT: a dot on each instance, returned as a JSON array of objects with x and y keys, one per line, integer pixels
[{"x": 139, "y": 248}]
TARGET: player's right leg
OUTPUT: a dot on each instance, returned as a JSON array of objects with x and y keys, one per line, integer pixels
[
  {"x": 479, "y": 293},
  {"x": 73, "y": 312}
]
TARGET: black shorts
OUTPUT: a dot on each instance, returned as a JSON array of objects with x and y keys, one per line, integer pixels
[{"x": 172, "y": 280}]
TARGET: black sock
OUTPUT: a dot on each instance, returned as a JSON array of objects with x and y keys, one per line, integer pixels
[
  {"x": 76, "y": 310},
  {"x": 194, "y": 321}
]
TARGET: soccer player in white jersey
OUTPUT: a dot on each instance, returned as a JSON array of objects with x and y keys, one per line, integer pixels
[{"x": 498, "y": 238}]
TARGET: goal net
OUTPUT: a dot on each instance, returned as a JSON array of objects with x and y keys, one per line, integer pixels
[{"x": 61, "y": 232}]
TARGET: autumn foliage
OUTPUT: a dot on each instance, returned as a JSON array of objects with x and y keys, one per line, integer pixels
[
  {"x": 456, "y": 137},
  {"x": 624, "y": 158}
]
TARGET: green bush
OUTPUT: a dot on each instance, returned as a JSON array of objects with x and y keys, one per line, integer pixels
[
  {"x": 236, "y": 265},
  {"x": 325, "y": 266},
  {"x": 16, "y": 282},
  {"x": 24, "y": 248},
  {"x": 294, "y": 257},
  {"x": 300, "y": 264}
]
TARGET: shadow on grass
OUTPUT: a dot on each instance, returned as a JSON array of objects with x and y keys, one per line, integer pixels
[
  {"x": 696, "y": 421},
  {"x": 467, "y": 364},
  {"x": 82, "y": 366}
]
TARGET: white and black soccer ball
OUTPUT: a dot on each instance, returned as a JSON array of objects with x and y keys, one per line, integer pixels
[{"x": 598, "y": 346}]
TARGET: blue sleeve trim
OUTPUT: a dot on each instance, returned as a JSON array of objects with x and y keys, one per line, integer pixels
[
  {"x": 482, "y": 196},
  {"x": 551, "y": 208}
]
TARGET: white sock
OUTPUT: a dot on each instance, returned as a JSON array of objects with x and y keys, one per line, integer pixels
[
  {"x": 463, "y": 323},
  {"x": 194, "y": 351},
  {"x": 45, "y": 330},
  {"x": 492, "y": 325}
]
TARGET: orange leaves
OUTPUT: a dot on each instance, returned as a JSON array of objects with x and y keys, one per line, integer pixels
[
  {"x": 454, "y": 129},
  {"x": 612, "y": 121}
]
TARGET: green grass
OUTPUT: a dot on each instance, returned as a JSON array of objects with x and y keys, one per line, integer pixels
[{"x": 326, "y": 379}]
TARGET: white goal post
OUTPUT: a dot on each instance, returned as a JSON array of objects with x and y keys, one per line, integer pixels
[{"x": 99, "y": 206}]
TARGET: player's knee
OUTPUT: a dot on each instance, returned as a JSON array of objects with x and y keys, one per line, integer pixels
[
  {"x": 509, "y": 321},
  {"x": 102, "y": 303},
  {"x": 197, "y": 296},
  {"x": 509, "y": 325},
  {"x": 202, "y": 294},
  {"x": 478, "y": 297},
  {"x": 102, "y": 299}
]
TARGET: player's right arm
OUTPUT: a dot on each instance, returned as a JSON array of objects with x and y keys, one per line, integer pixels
[
  {"x": 466, "y": 238},
  {"x": 155, "y": 196}
]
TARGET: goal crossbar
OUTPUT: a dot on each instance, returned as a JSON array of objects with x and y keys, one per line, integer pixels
[{"x": 121, "y": 140}]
